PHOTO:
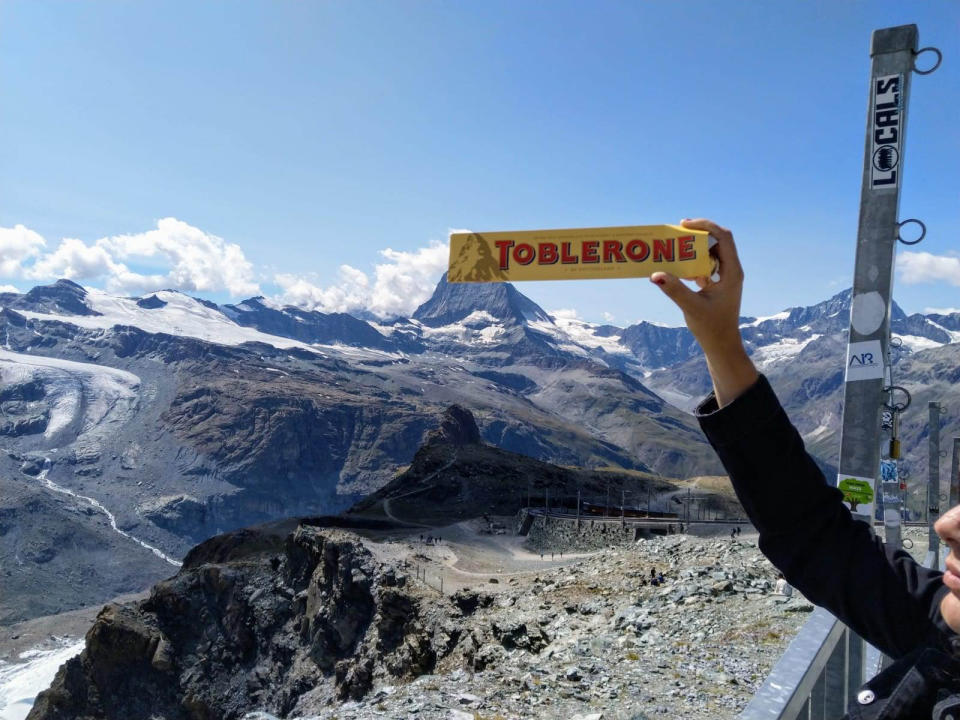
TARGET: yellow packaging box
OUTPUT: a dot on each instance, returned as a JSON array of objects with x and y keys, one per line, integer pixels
[{"x": 579, "y": 254}]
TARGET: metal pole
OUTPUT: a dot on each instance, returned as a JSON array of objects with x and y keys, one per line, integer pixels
[
  {"x": 648, "y": 503},
  {"x": 955, "y": 474},
  {"x": 606, "y": 508},
  {"x": 892, "y": 51},
  {"x": 578, "y": 507},
  {"x": 623, "y": 501},
  {"x": 933, "y": 479}
]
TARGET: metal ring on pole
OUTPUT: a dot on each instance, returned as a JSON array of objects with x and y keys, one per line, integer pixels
[
  {"x": 896, "y": 343},
  {"x": 920, "y": 52},
  {"x": 923, "y": 231},
  {"x": 943, "y": 497},
  {"x": 898, "y": 407},
  {"x": 907, "y": 544}
]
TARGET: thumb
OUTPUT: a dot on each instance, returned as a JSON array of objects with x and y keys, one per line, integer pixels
[{"x": 674, "y": 289}]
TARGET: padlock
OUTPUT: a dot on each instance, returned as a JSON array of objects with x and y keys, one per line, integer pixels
[{"x": 895, "y": 437}]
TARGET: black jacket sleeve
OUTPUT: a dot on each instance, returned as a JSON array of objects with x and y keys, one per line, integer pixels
[{"x": 809, "y": 534}]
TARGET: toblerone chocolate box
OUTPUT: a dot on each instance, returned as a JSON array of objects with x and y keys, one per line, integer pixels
[{"x": 580, "y": 254}]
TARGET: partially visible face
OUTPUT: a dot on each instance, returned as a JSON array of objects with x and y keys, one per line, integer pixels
[{"x": 948, "y": 528}]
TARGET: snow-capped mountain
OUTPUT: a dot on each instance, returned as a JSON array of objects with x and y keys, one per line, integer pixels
[
  {"x": 165, "y": 419},
  {"x": 145, "y": 424}
]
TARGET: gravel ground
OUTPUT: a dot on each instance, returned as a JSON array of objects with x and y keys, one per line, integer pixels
[{"x": 585, "y": 638}]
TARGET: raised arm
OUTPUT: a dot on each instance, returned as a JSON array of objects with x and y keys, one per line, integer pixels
[{"x": 805, "y": 529}]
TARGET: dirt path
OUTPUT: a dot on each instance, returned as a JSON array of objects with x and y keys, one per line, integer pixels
[{"x": 465, "y": 555}]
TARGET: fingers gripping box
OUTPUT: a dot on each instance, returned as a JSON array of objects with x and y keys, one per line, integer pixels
[{"x": 580, "y": 254}]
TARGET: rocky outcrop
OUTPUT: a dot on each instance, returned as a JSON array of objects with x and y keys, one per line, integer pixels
[
  {"x": 457, "y": 427},
  {"x": 21, "y": 412},
  {"x": 456, "y": 476},
  {"x": 151, "y": 303},
  {"x": 30, "y": 425},
  {"x": 181, "y": 514},
  {"x": 259, "y": 618},
  {"x": 64, "y": 297}
]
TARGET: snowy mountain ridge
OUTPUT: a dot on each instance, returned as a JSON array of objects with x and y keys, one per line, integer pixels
[{"x": 475, "y": 314}]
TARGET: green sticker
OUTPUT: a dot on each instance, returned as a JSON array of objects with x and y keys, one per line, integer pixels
[{"x": 856, "y": 491}]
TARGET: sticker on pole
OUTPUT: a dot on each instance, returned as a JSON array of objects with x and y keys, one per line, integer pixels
[
  {"x": 581, "y": 254},
  {"x": 887, "y": 132},
  {"x": 858, "y": 493},
  {"x": 864, "y": 361}
]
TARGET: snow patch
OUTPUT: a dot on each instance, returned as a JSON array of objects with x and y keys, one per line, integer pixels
[
  {"x": 182, "y": 315},
  {"x": 916, "y": 343},
  {"x": 462, "y": 332},
  {"x": 101, "y": 391},
  {"x": 779, "y": 351},
  {"x": 479, "y": 317},
  {"x": 818, "y": 432},
  {"x": 574, "y": 334},
  {"x": 20, "y": 683},
  {"x": 779, "y": 316}
]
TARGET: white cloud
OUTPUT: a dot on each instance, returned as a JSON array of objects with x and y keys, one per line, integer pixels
[
  {"x": 399, "y": 285},
  {"x": 608, "y": 317},
  {"x": 18, "y": 245},
  {"x": 9, "y": 289},
  {"x": 564, "y": 314},
  {"x": 924, "y": 267},
  {"x": 74, "y": 259},
  {"x": 352, "y": 275},
  {"x": 182, "y": 257},
  {"x": 186, "y": 258},
  {"x": 349, "y": 295},
  {"x": 198, "y": 261},
  {"x": 407, "y": 279},
  {"x": 940, "y": 311}
]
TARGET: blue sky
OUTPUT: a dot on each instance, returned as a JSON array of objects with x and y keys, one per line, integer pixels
[{"x": 290, "y": 139}]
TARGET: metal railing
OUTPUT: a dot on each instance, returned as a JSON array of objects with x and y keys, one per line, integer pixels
[{"x": 816, "y": 677}]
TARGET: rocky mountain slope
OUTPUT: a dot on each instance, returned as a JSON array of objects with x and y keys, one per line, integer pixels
[
  {"x": 304, "y": 621},
  {"x": 175, "y": 419},
  {"x": 456, "y": 476},
  {"x": 39, "y": 578}
]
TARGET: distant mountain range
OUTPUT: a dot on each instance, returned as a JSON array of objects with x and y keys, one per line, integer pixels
[{"x": 182, "y": 418}]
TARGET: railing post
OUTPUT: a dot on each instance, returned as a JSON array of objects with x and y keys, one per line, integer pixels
[
  {"x": 892, "y": 51},
  {"x": 835, "y": 680},
  {"x": 856, "y": 663},
  {"x": 933, "y": 478}
]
